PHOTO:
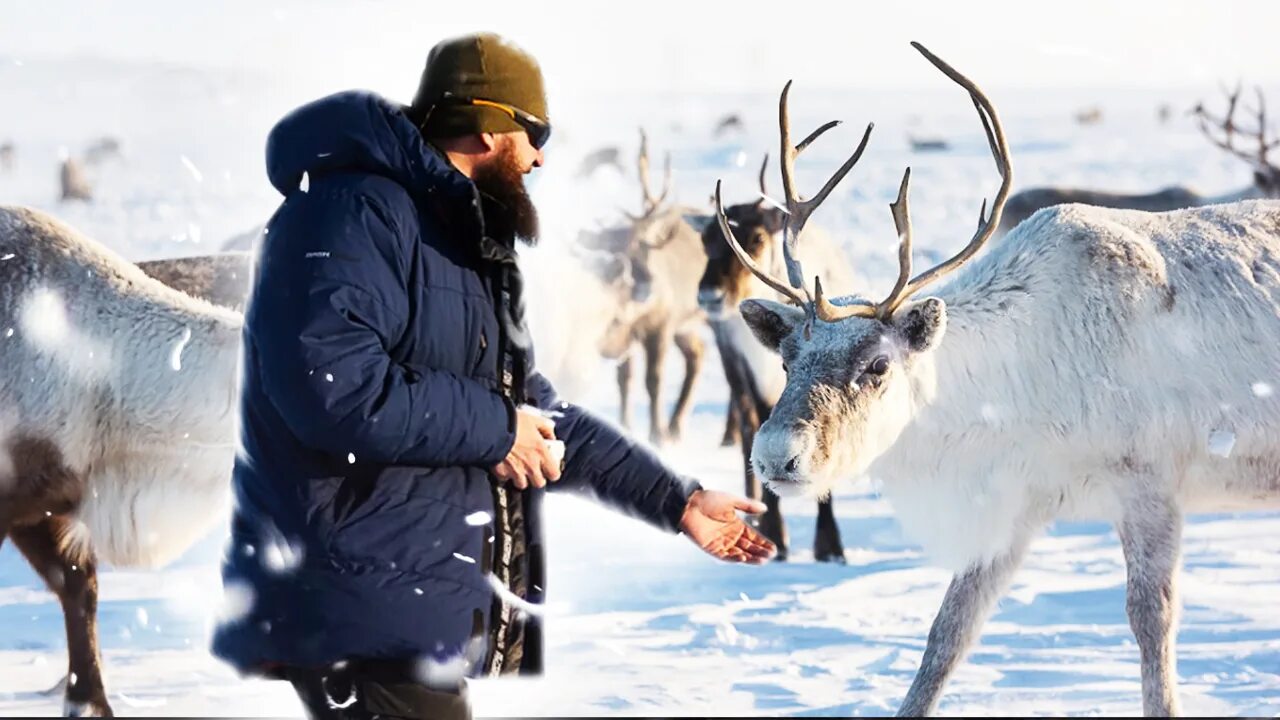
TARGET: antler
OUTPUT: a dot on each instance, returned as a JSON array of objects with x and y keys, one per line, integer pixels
[
  {"x": 1229, "y": 129},
  {"x": 798, "y": 211},
  {"x": 649, "y": 202},
  {"x": 987, "y": 224}
]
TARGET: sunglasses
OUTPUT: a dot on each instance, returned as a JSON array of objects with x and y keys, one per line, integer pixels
[{"x": 539, "y": 132}]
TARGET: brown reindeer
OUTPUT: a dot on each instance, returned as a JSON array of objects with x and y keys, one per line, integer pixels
[
  {"x": 755, "y": 377},
  {"x": 72, "y": 181},
  {"x": 1266, "y": 176}
]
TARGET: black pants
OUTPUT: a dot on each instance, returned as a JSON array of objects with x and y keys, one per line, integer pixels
[{"x": 355, "y": 695}]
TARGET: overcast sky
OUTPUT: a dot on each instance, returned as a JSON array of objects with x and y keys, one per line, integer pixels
[{"x": 687, "y": 45}]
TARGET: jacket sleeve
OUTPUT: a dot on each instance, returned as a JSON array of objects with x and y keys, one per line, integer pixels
[
  {"x": 331, "y": 301},
  {"x": 602, "y": 462}
]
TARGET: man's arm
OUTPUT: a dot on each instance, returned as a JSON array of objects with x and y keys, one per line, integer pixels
[
  {"x": 331, "y": 299},
  {"x": 601, "y": 460}
]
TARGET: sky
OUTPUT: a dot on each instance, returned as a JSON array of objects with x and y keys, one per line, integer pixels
[{"x": 681, "y": 46}]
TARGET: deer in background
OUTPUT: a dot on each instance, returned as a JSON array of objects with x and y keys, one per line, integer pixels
[
  {"x": 222, "y": 279},
  {"x": 754, "y": 375},
  {"x": 1076, "y": 370},
  {"x": 650, "y": 268},
  {"x": 1266, "y": 176},
  {"x": 72, "y": 182},
  {"x": 117, "y": 420}
]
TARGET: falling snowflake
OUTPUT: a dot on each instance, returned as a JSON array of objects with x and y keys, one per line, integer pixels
[
  {"x": 740, "y": 159},
  {"x": 464, "y": 558},
  {"x": 8, "y": 333},
  {"x": 775, "y": 203},
  {"x": 351, "y": 458},
  {"x": 175, "y": 355},
  {"x": 71, "y": 679},
  {"x": 193, "y": 232},
  {"x": 1221, "y": 442},
  {"x": 141, "y": 615},
  {"x": 1262, "y": 389},
  {"x": 328, "y": 377},
  {"x": 10, "y": 256},
  {"x": 417, "y": 591},
  {"x": 479, "y": 517},
  {"x": 279, "y": 556},
  {"x": 305, "y": 184},
  {"x": 191, "y": 168}
]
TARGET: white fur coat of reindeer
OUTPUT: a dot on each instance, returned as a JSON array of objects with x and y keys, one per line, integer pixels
[{"x": 1092, "y": 364}]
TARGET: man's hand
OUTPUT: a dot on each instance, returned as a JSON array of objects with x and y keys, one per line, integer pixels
[
  {"x": 530, "y": 462},
  {"x": 712, "y": 524}
]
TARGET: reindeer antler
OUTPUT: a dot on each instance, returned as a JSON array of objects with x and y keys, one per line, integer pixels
[
  {"x": 798, "y": 211},
  {"x": 1229, "y": 128},
  {"x": 987, "y": 224},
  {"x": 649, "y": 202}
]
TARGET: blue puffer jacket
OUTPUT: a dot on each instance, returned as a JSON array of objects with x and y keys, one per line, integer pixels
[{"x": 371, "y": 409}]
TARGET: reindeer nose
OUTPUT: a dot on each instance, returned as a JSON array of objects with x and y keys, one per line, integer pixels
[
  {"x": 793, "y": 464},
  {"x": 779, "y": 455}
]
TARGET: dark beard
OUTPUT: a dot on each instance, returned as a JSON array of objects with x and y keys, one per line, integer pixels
[{"x": 509, "y": 210}]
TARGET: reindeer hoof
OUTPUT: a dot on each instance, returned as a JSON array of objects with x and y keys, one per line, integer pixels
[
  {"x": 98, "y": 707},
  {"x": 831, "y": 556}
]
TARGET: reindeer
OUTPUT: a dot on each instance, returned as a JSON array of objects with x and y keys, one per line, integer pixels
[
  {"x": 222, "y": 279},
  {"x": 754, "y": 375},
  {"x": 103, "y": 149},
  {"x": 1266, "y": 177},
  {"x": 650, "y": 267},
  {"x": 1088, "y": 365},
  {"x": 117, "y": 420},
  {"x": 72, "y": 181}
]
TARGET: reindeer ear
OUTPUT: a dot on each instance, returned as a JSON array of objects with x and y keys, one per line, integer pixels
[
  {"x": 922, "y": 323},
  {"x": 699, "y": 222},
  {"x": 773, "y": 220},
  {"x": 770, "y": 321}
]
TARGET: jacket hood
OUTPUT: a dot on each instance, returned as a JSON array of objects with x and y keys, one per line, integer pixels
[{"x": 357, "y": 131}]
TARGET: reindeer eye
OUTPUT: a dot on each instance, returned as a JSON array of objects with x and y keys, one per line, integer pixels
[{"x": 879, "y": 366}]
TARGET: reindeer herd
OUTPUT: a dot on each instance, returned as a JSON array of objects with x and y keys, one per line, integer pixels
[{"x": 1071, "y": 361}]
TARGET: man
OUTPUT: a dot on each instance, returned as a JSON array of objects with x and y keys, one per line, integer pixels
[{"x": 397, "y": 439}]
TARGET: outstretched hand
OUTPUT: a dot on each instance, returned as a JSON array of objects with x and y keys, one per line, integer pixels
[{"x": 711, "y": 521}]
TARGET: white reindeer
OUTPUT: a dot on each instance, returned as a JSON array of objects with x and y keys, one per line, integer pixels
[
  {"x": 117, "y": 420},
  {"x": 1076, "y": 370}
]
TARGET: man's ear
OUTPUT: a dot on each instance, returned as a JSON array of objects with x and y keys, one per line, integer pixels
[
  {"x": 922, "y": 323},
  {"x": 699, "y": 222},
  {"x": 488, "y": 140},
  {"x": 771, "y": 321}
]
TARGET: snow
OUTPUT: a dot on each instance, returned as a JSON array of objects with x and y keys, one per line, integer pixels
[{"x": 641, "y": 623}]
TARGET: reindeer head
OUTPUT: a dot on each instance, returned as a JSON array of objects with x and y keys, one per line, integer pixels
[
  {"x": 726, "y": 282},
  {"x": 857, "y": 371}
]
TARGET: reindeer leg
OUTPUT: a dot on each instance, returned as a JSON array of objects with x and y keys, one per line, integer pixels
[
  {"x": 1150, "y": 534},
  {"x": 624, "y": 392},
  {"x": 75, "y": 581},
  {"x": 731, "y": 436},
  {"x": 692, "y": 348},
  {"x": 826, "y": 536},
  {"x": 969, "y": 600},
  {"x": 655, "y": 351}
]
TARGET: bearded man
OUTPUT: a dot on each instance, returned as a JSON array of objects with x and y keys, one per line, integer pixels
[{"x": 397, "y": 437}]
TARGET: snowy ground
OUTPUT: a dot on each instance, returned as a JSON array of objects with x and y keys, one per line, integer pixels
[{"x": 640, "y": 623}]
